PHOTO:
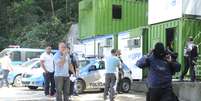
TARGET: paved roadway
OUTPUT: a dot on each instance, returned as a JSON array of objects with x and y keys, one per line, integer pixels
[{"x": 24, "y": 94}]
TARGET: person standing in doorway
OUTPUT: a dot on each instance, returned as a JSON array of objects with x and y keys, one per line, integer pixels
[
  {"x": 190, "y": 54},
  {"x": 62, "y": 65},
  {"x": 6, "y": 67},
  {"x": 46, "y": 60},
  {"x": 112, "y": 63}
]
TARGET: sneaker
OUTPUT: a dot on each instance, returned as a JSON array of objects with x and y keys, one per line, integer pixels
[{"x": 75, "y": 94}]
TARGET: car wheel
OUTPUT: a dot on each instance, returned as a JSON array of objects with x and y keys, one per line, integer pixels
[
  {"x": 125, "y": 85},
  {"x": 17, "y": 81},
  {"x": 32, "y": 87},
  {"x": 80, "y": 86}
]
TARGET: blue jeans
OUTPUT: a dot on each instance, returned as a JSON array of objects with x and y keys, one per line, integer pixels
[{"x": 5, "y": 76}]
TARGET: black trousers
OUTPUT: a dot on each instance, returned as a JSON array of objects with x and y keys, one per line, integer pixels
[
  {"x": 71, "y": 87},
  {"x": 49, "y": 83},
  {"x": 161, "y": 94},
  {"x": 188, "y": 65}
]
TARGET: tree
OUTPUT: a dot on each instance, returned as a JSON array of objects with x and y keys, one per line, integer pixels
[{"x": 36, "y": 23}]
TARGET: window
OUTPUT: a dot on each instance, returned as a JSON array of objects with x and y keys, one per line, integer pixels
[
  {"x": 108, "y": 42},
  {"x": 116, "y": 11},
  {"x": 137, "y": 42},
  {"x": 36, "y": 65},
  {"x": 83, "y": 63},
  {"x": 134, "y": 43},
  {"x": 31, "y": 55},
  {"x": 101, "y": 65},
  {"x": 16, "y": 56}
]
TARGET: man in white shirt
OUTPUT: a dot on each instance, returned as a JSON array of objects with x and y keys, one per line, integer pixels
[
  {"x": 6, "y": 67},
  {"x": 188, "y": 60},
  {"x": 46, "y": 60}
]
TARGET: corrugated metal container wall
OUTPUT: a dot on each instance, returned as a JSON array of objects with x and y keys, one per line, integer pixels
[
  {"x": 157, "y": 32},
  {"x": 184, "y": 29},
  {"x": 86, "y": 18},
  {"x": 134, "y": 14},
  {"x": 95, "y": 16},
  {"x": 192, "y": 28}
]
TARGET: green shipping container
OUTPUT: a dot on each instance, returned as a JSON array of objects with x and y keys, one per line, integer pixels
[
  {"x": 100, "y": 17},
  {"x": 178, "y": 31}
]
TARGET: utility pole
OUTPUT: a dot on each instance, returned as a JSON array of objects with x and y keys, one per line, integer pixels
[
  {"x": 66, "y": 8},
  {"x": 52, "y": 5}
]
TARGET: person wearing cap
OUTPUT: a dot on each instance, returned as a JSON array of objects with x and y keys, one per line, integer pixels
[
  {"x": 190, "y": 54},
  {"x": 161, "y": 68}
]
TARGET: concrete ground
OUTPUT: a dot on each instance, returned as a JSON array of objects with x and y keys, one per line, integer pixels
[{"x": 24, "y": 94}]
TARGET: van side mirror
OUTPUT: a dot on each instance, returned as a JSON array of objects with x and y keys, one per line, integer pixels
[{"x": 92, "y": 68}]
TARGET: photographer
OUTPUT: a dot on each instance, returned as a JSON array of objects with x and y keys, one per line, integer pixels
[{"x": 161, "y": 68}]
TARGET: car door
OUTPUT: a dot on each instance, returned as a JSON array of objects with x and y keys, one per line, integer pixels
[
  {"x": 101, "y": 73},
  {"x": 93, "y": 76}
]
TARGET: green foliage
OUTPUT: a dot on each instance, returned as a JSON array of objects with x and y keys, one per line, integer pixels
[{"x": 30, "y": 23}]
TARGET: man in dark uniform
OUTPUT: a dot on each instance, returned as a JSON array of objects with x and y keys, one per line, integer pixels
[{"x": 161, "y": 68}]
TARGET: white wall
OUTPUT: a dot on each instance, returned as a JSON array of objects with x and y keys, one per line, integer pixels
[
  {"x": 192, "y": 7},
  {"x": 130, "y": 56},
  {"x": 164, "y": 10}
]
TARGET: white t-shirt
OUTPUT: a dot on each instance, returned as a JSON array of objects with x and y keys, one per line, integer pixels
[
  {"x": 6, "y": 63},
  {"x": 48, "y": 61}
]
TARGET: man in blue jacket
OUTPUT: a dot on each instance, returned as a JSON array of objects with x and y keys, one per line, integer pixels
[{"x": 161, "y": 67}]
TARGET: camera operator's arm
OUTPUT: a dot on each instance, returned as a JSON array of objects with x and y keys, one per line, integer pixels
[
  {"x": 143, "y": 62},
  {"x": 175, "y": 66}
]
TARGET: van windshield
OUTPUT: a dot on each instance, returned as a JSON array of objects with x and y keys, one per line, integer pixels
[{"x": 3, "y": 52}]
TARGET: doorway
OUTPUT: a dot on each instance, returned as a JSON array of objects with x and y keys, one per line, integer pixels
[{"x": 170, "y": 38}]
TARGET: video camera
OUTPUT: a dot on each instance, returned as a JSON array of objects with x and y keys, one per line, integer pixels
[{"x": 173, "y": 55}]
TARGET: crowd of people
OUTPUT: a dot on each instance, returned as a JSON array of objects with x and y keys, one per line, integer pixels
[
  {"x": 58, "y": 71},
  {"x": 61, "y": 70}
]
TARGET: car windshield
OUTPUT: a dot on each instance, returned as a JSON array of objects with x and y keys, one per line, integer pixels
[
  {"x": 83, "y": 63},
  {"x": 28, "y": 63}
]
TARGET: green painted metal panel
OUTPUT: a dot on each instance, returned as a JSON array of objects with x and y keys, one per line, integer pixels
[
  {"x": 184, "y": 28},
  {"x": 157, "y": 32},
  {"x": 192, "y": 27},
  {"x": 97, "y": 20},
  {"x": 86, "y": 19}
]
